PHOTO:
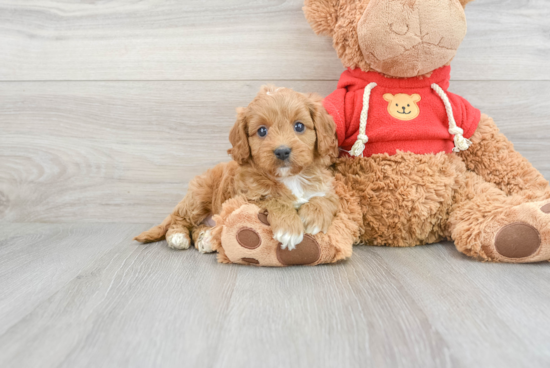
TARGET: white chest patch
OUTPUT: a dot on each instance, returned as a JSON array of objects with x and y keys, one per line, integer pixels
[{"x": 295, "y": 184}]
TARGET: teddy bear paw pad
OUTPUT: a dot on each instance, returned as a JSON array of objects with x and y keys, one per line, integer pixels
[
  {"x": 518, "y": 240},
  {"x": 546, "y": 208},
  {"x": 307, "y": 252},
  {"x": 250, "y": 261},
  {"x": 262, "y": 216},
  {"x": 248, "y": 238}
]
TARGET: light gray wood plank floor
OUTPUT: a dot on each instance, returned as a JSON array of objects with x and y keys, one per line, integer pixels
[
  {"x": 85, "y": 295},
  {"x": 109, "y": 108}
]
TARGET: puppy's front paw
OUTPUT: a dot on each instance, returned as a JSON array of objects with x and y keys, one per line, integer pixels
[
  {"x": 288, "y": 240},
  {"x": 205, "y": 242},
  {"x": 178, "y": 241},
  {"x": 287, "y": 229},
  {"x": 315, "y": 219}
]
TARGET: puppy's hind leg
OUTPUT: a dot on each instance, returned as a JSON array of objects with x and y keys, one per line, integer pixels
[
  {"x": 177, "y": 236},
  {"x": 194, "y": 208},
  {"x": 188, "y": 215}
]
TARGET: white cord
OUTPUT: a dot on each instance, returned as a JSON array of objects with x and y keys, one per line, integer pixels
[
  {"x": 362, "y": 139},
  {"x": 461, "y": 143}
]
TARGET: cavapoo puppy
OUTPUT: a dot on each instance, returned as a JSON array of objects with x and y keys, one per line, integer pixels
[{"x": 282, "y": 145}]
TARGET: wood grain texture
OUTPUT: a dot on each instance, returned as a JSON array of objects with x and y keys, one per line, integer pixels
[
  {"x": 109, "y": 108},
  {"x": 36, "y": 260},
  {"x": 234, "y": 40},
  {"x": 125, "y": 151},
  {"x": 142, "y": 306}
]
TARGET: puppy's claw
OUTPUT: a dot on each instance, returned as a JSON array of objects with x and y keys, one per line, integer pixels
[
  {"x": 313, "y": 230},
  {"x": 178, "y": 241},
  {"x": 288, "y": 241}
]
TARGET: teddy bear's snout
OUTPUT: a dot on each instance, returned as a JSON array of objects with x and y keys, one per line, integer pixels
[{"x": 414, "y": 42}]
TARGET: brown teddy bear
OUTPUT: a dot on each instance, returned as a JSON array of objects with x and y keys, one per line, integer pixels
[
  {"x": 418, "y": 162},
  {"x": 423, "y": 163}
]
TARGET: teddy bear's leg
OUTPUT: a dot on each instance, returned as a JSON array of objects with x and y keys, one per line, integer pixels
[
  {"x": 492, "y": 156},
  {"x": 487, "y": 224},
  {"x": 245, "y": 237}
]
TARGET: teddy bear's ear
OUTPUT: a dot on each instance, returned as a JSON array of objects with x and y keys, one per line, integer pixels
[
  {"x": 464, "y": 2},
  {"x": 322, "y": 15},
  {"x": 416, "y": 97},
  {"x": 388, "y": 97}
]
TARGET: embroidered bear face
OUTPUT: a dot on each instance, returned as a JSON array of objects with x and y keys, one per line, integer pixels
[{"x": 402, "y": 106}]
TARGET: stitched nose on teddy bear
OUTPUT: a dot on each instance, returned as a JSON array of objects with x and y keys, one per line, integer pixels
[{"x": 407, "y": 38}]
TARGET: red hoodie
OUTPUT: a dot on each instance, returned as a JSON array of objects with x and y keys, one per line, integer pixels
[{"x": 403, "y": 114}]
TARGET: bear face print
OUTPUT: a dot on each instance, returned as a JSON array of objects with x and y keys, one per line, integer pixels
[{"x": 402, "y": 106}]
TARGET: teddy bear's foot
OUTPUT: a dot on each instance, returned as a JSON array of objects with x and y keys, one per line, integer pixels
[
  {"x": 522, "y": 235},
  {"x": 306, "y": 253},
  {"x": 247, "y": 239}
]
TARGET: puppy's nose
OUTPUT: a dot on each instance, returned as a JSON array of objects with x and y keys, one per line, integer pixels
[{"x": 282, "y": 153}]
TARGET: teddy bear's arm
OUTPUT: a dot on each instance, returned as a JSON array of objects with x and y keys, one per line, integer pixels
[{"x": 493, "y": 157}]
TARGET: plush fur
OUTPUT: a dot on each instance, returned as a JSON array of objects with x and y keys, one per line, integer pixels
[
  {"x": 489, "y": 199},
  {"x": 333, "y": 246},
  {"x": 297, "y": 192},
  {"x": 364, "y": 37}
]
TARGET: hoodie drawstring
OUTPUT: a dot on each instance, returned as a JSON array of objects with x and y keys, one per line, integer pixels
[
  {"x": 461, "y": 143},
  {"x": 362, "y": 139}
]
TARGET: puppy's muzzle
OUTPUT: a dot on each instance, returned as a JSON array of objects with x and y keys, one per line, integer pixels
[{"x": 282, "y": 153}]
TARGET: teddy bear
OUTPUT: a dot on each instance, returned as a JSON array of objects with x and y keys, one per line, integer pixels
[
  {"x": 423, "y": 163},
  {"x": 418, "y": 164}
]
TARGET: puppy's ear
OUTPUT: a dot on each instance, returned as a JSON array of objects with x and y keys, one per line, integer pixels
[
  {"x": 238, "y": 136},
  {"x": 327, "y": 141}
]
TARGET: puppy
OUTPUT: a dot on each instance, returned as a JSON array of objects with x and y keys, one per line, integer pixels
[{"x": 282, "y": 146}]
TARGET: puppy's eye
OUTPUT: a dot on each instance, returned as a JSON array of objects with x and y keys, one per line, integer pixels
[
  {"x": 262, "y": 131},
  {"x": 408, "y": 105},
  {"x": 397, "y": 105},
  {"x": 299, "y": 127}
]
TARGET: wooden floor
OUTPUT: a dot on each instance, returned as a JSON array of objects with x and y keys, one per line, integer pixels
[
  {"x": 109, "y": 108},
  {"x": 86, "y": 296}
]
